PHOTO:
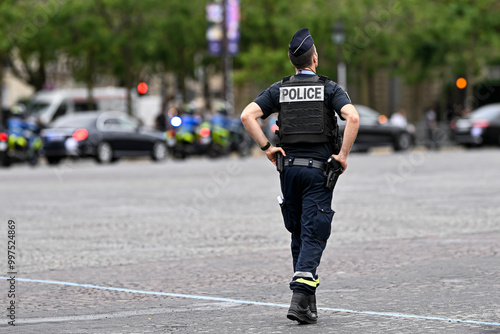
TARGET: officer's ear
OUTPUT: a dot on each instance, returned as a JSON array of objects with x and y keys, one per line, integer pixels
[{"x": 290, "y": 59}]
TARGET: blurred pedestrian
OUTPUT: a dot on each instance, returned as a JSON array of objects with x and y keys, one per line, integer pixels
[
  {"x": 465, "y": 112},
  {"x": 4, "y": 117},
  {"x": 308, "y": 132},
  {"x": 431, "y": 127},
  {"x": 161, "y": 120},
  {"x": 399, "y": 118}
]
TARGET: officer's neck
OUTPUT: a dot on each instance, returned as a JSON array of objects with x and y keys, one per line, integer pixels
[{"x": 306, "y": 70}]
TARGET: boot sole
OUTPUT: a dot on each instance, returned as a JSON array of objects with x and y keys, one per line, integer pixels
[{"x": 300, "y": 318}]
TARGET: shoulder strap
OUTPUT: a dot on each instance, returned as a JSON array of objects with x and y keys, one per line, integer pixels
[
  {"x": 321, "y": 78},
  {"x": 324, "y": 79}
]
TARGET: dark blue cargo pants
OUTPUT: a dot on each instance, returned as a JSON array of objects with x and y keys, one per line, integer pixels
[{"x": 307, "y": 215}]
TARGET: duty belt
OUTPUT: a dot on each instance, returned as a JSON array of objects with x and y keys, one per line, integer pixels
[{"x": 306, "y": 163}]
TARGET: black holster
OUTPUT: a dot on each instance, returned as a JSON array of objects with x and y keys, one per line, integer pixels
[
  {"x": 332, "y": 172},
  {"x": 280, "y": 161}
]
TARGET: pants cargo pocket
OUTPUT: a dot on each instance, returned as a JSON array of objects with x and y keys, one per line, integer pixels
[
  {"x": 323, "y": 222},
  {"x": 286, "y": 217}
]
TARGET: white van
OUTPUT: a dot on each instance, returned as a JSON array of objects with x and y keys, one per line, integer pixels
[{"x": 46, "y": 106}]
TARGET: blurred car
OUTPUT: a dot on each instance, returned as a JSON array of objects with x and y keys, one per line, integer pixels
[
  {"x": 374, "y": 130},
  {"x": 481, "y": 127},
  {"x": 105, "y": 136}
]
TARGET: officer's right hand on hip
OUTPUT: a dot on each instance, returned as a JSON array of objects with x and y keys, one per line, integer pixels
[{"x": 342, "y": 160}]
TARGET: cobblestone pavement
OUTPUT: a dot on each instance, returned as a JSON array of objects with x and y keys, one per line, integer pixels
[{"x": 415, "y": 241}]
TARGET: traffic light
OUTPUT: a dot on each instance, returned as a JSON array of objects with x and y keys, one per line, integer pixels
[
  {"x": 461, "y": 83},
  {"x": 142, "y": 88}
]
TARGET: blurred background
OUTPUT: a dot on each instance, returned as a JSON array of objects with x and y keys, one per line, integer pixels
[{"x": 418, "y": 69}]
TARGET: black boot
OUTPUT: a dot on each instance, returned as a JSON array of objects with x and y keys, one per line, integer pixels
[
  {"x": 312, "y": 305},
  {"x": 299, "y": 309}
]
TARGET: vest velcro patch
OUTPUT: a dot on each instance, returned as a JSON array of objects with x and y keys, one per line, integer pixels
[{"x": 302, "y": 93}]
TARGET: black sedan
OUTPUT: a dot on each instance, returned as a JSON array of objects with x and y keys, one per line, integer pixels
[
  {"x": 105, "y": 136},
  {"x": 374, "y": 131},
  {"x": 481, "y": 127}
]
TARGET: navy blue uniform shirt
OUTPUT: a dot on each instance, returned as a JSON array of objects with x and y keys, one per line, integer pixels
[{"x": 335, "y": 99}]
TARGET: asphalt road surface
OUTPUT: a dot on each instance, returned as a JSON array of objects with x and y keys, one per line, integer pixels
[{"x": 199, "y": 246}]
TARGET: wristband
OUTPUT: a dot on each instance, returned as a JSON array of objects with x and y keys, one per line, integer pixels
[{"x": 265, "y": 147}]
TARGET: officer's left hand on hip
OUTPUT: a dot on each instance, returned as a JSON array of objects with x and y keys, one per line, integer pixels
[{"x": 270, "y": 153}]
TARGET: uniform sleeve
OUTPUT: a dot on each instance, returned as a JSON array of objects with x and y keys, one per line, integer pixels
[
  {"x": 338, "y": 98},
  {"x": 268, "y": 100}
]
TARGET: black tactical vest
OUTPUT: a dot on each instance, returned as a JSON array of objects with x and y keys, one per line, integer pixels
[{"x": 304, "y": 117}]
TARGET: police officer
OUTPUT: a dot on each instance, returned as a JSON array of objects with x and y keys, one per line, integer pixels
[{"x": 308, "y": 134}]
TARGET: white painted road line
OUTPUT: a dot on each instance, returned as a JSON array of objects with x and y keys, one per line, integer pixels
[{"x": 236, "y": 301}]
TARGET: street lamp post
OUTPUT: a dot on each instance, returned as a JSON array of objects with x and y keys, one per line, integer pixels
[{"x": 338, "y": 38}]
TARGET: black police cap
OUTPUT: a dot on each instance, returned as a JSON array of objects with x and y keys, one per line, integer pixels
[{"x": 301, "y": 42}]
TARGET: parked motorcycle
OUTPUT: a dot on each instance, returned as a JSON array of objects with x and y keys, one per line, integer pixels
[
  {"x": 181, "y": 140},
  {"x": 20, "y": 141},
  {"x": 219, "y": 136}
]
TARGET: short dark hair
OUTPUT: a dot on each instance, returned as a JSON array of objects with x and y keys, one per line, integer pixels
[{"x": 304, "y": 60}]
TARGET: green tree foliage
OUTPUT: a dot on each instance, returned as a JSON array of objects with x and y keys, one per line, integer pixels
[
  {"x": 85, "y": 42},
  {"x": 134, "y": 40},
  {"x": 267, "y": 28},
  {"x": 449, "y": 38},
  {"x": 180, "y": 36},
  {"x": 370, "y": 31},
  {"x": 32, "y": 39},
  {"x": 9, "y": 15},
  {"x": 129, "y": 23}
]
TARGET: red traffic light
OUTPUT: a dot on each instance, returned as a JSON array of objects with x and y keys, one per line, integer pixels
[{"x": 142, "y": 88}]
